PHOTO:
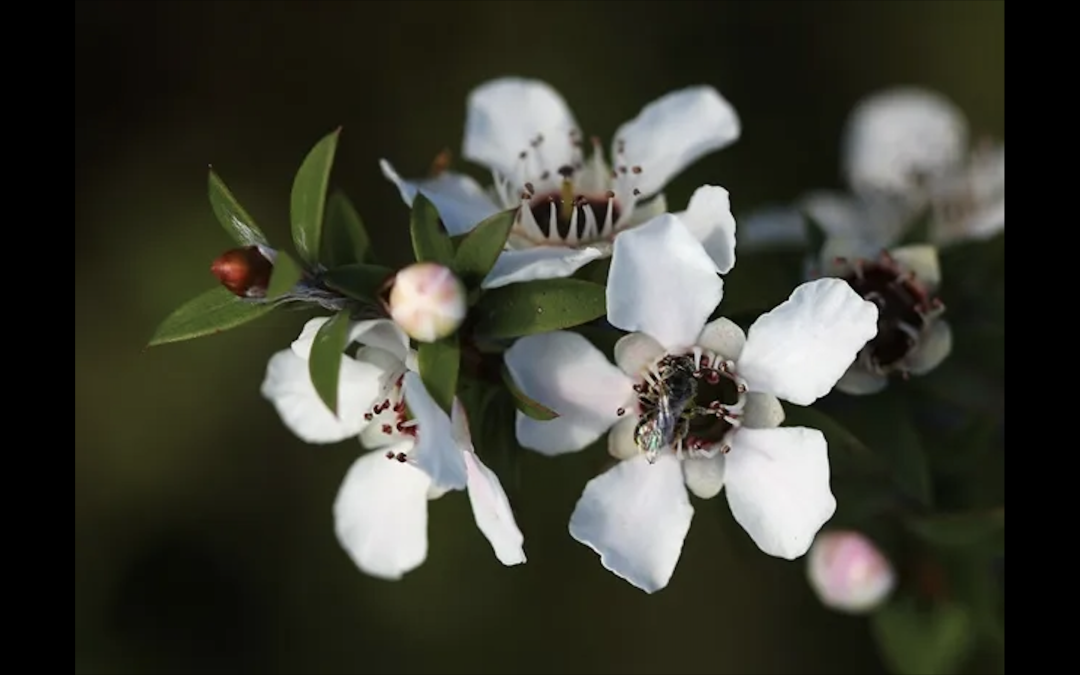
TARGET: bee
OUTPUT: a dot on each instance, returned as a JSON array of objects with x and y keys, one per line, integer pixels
[{"x": 664, "y": 419}]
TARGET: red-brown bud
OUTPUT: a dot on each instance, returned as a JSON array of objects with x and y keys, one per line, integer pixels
[{"x": 244, "y": 271}]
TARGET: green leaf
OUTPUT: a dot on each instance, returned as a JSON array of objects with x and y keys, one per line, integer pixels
[
  {"x": 539, "y": 307},
  {"x": 236, "y": 221},
  {"x": 212, "y": 312},
  {"x": 595, "y": 271},
  {"x": 345, "y": 240},
  {"x": 285, "y": 275},
  {"x": 308, "y": 200},
  {"x": 923, "y": 641},
  {"x": 431, "y": 243},
  {"x": 359, "y": 281},
  {"x": 480, "y": 248},
  {"x": 324, "y": 364},
  {"x": 846, "y": 450},
  {"x": 529, "y": 406},
  {"x": 962, "y": 529},
  {"x": 439, "y": 365}
]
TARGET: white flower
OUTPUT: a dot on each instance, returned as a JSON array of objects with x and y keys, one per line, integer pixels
[
  {"x": 428, "y": 301},
  {"x": 380, "y": 513},
  {"x": 848, "y": 573},
  {"x": 664, "y": 287},
  {"x": 572, "y": 208}
]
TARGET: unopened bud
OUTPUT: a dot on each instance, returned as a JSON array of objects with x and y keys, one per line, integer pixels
[
  {"x": 244, "y": 271},
  {"x": 427, "y": 301},
  {"x": 848, "y": 572}
]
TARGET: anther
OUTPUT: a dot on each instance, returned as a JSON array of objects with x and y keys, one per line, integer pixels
[
  {"x": 530, "y": 189},
  {"x": 566, "y": 171},
  {"x": 389, "y": 454},
  {"x": 402, "y": 457},
  {"x": 712, "y": 377},
  {"x": 725, "y": 449},
  {"x": 368, "y": 417},
  {"x": 636, "y": 169},
  {"x": 611, "y": 194},
  {"x": 637, "y": 192},
  {"x": 622, "y": 170},
  {"x": 523, "y": 154},
  {"x": 620, "y": 412},
  {"x": 545, "y": 175},
  {"x": 387, "y": 429},
  {"x": 399, "y": 406}
]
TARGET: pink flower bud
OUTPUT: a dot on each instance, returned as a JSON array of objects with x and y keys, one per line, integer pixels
[
  {"x": 848, "y": 572},
  {"x": 427, "y": 301},
  {"x": 244, "y": 271}
]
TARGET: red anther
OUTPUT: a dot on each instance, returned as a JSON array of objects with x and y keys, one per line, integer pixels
[
  {"x": 368, "y": 416},
  {"x": 637, "y": 192},
  {"x": 704, "y": 361},
  {"x": 387, "y": 429},
  {"x": 530, "y": 189},
  {"x": 389, "y": 454},
  {"x": 636, "y": 169},
  {"x": 402, "y": 457},
  {"x": 399, "y": 406},
  {"x": 620, "y": 412},
  {"x": 712, "y": 377}
]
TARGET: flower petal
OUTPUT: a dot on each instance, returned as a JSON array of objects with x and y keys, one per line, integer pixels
[
  {"x": 801, "y": 348},
  {"x": 662, "y": 282},
  {"x": 971, "y": 203},
  {"x": 704, "y": 476},
  {"x": 935, "y": 345},
  {"x": 922, "y": 259},
  {"x": 772, "y": 226},
  {"x": 505, "y": 116},
  {"x": 459, "y": 199},
  {"x": 857, "y": 226},
  {"x": 895, "y": 139},
  {"x": 288, "y": 386},
  {"x": 762, "y": 411},
  {"x": 565, "y": 372},
  {"x": 621, "y": 443},
  {"x": 673, "y": 132},
  {"x": 778, "y": 487},
  {"x": 436, "y": 453},
  {"x": 382, "y": 334},
  {"x": 636, "y": 516},
  {"x": 636, "y": 352},
  {"x": 542, "y": 262},
  {"x": 708, "y": 217},
  {"x": 492, "y": 512},
  {"x": 380, "y": 515},
  {"x": 724, "y": 337},
  {"x": 858, "y": 381}
]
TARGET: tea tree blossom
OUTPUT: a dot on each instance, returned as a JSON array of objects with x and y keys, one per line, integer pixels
[
  {"x": 573, "y": 207},
  {"x": 428, "y": 301},
  {"x": 663, "y": 287},
  {"x": 418, "y": 451},
  {"x": 848, "y": 573}
]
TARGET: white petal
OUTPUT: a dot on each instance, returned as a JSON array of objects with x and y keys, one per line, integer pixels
[
  {"x": 936, "y": 344},
  {"x": 503, "y": 118},
  {"x": 636, "y": 516},
  {"x": 621, "y": 443},
  {"x": 894, "y": 139},
  {"x": 565, "y": 372},
  {"x": 492, "y": 512},
  {"x": 708, "y": 217},
  {"x": 971, "y": 203},
  {"x": 673, "y": 132},
  {"x": 724, "y": 337},
  {"x": 288, "y": 386},
  {"x": 459, "y": 199},
  {"x": 380, "y": 516},
  {"x": 801, "y": 348},
  {"x": 778, "y": 487},
  {"x": 542, "y": 262},
  {"x": 922, "y": 259},
  {"x": 662, "y": 282},
  {"x": 704, "y": 476},
  {"x": 858, "y": 381},
  {"x": 762, "y": 411},
  {"x": 772, "y": 226},
  {"x": 636, "y": 352},
  {"x": 436, "y": 453},
  {"x": 865, "y": 225},
  {"x": 382, "y": 334}
]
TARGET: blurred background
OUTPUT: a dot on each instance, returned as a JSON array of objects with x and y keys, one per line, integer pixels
[{"x": 203, "y": 532}]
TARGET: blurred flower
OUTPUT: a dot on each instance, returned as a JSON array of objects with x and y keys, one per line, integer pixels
[
  {"x": 571, "y": 209},
  {"x": 381, "y": 509},
  {"x": 663, "y": 286},
  {"x": 245, "y": 271},
  {"x": 848, "y": 572},
  {"x": 427, "y": 301},
  {"x": 912, "y": 336}
]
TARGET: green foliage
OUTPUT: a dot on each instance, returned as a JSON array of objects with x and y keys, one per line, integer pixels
[
  {"x": 324, "y": 364},
  {"x": 284, "y": 277},
  {"x": 541, "y": 306},
  {"x": 345, "y": 240},
  {"x": 358, "y": 280},
  {"x": 963, "y": 529},
  {"x": 480, "y": 248},
  {"x": 522, "y": 402},
  {"x": 308, "y": 200},
  {"x": 431, "y": 243},
  {"x": 919, "y": 640},
  {"x": 212, "y": 312},
  {"x": 439, "y": 365},
  {"x": 232, "y": 216}
]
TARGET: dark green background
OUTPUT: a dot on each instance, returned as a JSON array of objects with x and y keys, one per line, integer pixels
[{"x": 203, "y": 536}]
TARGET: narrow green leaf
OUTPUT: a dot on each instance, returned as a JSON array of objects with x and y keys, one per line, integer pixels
[
  {"x": 480, "y": 248},
  {"x": 522, "y": 402},
  {"x": 236, "y": 221},
  {"x": 308, "y": 200},
  {"x": 439, "y": 365},
  {"x": 358, "y": 280},
  {"x": 285, "y": 275},
  {"x": 595, "y": 271},
  {"x": 923, "y": 641},
  {"x": 538, "y": 307},
  {"x": 345, "y": 240},
  {"x": 212, "y": 312},
  {"x": 324, "y": 364},
  {"x": 431, "y": 243},
  {"x": 962, "y": 529}
]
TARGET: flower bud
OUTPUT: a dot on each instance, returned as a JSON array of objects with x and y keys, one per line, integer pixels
[
  {"x": 427, "y": 301},
  {"x": 244, "y": 271},
  {"x": 848, "y": 572}
]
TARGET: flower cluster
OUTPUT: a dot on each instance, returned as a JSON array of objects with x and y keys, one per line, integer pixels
[{"x": 569, "y": 290}]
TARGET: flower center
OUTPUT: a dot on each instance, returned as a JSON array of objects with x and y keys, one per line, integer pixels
[
  {"x": 390, "y": 418},
  {"x": 905, "y": 310},
  {"x": 689, "y": 403},
  {"x": 575, "y": 204}
]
